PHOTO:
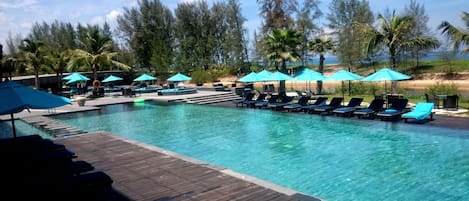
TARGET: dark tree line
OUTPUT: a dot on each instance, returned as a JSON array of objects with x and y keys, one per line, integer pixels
[{"x": 196, "y": 36}]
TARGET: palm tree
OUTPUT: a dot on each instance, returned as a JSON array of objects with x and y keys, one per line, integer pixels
[
  {"x": 459, "y": 36},
  {"x": 57, "y": 62},
  {"x": 10, "y": 64},
  {"x": 281, "y": 47},
  {"x": 96, "y": 53},
  {"x": 393, "y": 34},
  {"x": 32, "y": 52},
  {"x": 321, "y": 47}
]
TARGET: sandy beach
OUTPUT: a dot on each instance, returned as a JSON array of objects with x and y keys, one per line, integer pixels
[{"x": 461, "y": 80}]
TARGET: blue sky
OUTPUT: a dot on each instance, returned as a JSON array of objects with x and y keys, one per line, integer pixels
[{"x": 17, "y": 16}]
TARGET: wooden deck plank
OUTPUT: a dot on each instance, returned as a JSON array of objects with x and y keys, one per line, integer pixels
[{"x": 140, "y": 173}]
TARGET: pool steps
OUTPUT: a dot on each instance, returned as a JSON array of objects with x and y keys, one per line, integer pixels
[
  {"x": 53, "y": 127},
  {"x": 209, "y": 99}
]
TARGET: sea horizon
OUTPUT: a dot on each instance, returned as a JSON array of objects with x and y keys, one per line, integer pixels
[{"x": 431, "y": 56}]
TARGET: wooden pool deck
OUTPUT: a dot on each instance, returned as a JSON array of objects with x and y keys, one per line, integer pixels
[{"x": 142, "y": 172}]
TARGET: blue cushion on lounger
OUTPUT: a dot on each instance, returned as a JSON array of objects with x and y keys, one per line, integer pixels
[{"x": 420, "y": 111}]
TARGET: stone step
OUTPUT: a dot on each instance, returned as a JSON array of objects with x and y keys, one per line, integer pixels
[
  {"x": 216, "y": 100},
  {"x": 52, "y": 127},
  {"x": 209, "y": 97}
]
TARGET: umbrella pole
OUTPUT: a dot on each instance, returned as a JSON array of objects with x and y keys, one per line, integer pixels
[
  {"x": 13, "y": 125},
  {"x": 343, "y": 96}
]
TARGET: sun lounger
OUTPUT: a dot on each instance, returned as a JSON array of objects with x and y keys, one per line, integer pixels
[
  {"x": 319, "y": 102},
  {"x": 420, "y": 112},
  {"x": 303, "y": 101},
  {"x": 285, "y": 100},
  {"x": 248, "y": 97},
  {"x": 251, "y": 103},
  {"x": 348, "y": 110},
  {"x": 262, "y": 104},
  {"x": 395, "y": 111},
  {"x": 335, "y": 103},
  {"x": 375, "y": 106},
  {"x": 94, "y": 185}
]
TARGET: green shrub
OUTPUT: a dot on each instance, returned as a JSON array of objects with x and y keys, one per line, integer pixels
[
  {"x": 200, "y": 76},
  {"x": 441, "y": 88},
  {"x": 370, "y": 88}
]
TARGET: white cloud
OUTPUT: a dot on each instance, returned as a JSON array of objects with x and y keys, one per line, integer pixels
[
  {"x": 189, "y": 1},
  {"x": 17, "y": 3},
  {"x": 26, "y": 25},
  {"x": 98, "y": 20},
  {"x": 75, "y": 15},
  {"x": 3, "y": 18},
  {"x": 111, "y": 16}
]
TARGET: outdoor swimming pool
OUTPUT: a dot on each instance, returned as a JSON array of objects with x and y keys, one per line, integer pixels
[
  {"x": 22, "y": 129},
  {"x": 326, "y": 157}
]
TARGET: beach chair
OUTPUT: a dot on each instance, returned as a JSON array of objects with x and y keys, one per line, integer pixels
[
  {"x": 375, "y": 106},
  {"x": 248, "y": 97},
  {"x": 320, "y": 101},
  {"x": 303, "y": 101},
  {"x": 262, "y": 104},
  {"x": 420, "y": 112},
  {"x": 348, "y": 110},
  {"x": 285, "y": 100},
  {"x": 251, "y": 103},
  {"x": 395, "y": 111},
  {"x": 335, "y": 103}
]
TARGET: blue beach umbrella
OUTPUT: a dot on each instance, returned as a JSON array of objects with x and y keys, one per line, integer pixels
[
  {"x": 15, "y": 97},
  {"x": 309, "y": 75},
  {"x": 112, "y": 78},
  {"x": 75, "y": 76},
  {"x": 275, "y": 76},
  {"x": 144, "y": 77},
  {"x": 386, "y": 74},
  {"x": 251, "y": 77},
  {"x": 264, "y": 75},
  {"x": 179, "y": 77},
  {"x": 279, "y": 76},
  {"x": 343, "y": 75}
]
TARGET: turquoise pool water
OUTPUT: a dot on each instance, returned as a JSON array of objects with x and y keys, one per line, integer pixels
[
  {"x": 22, "y": 128},
  {"x": 327, "y": 157}
]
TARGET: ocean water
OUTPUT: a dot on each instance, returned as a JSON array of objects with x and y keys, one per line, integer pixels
[{"x": 331, "y": 59}]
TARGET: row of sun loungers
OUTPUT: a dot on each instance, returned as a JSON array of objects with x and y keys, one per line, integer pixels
[
  {"x": 397, "y": 110},
  {"x": 34, "y": 168}
]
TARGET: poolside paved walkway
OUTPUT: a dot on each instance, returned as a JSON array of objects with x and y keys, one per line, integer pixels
[{"x": 142, "y": 172}]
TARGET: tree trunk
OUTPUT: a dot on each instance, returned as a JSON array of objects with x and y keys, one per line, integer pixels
[
  {"x": 59, "y": 81},
  {"x": 321, "y": 70},
  {"x": 393, "y": 67},
  {"x": 95, "y": 72},
  {"x": 282, "y": 88},
  {"x": 36, "y": 77}
]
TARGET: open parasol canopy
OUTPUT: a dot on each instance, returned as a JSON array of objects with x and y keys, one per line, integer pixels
[
  {"x": 15, "y": 97},
  {"x": 144, "y": 77},
  {"x": 179, "y": 77},
  {"x": 386, "y": 74},
  {"x": 251, "y": 77},
  {"x": 112, "y": 78}
]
